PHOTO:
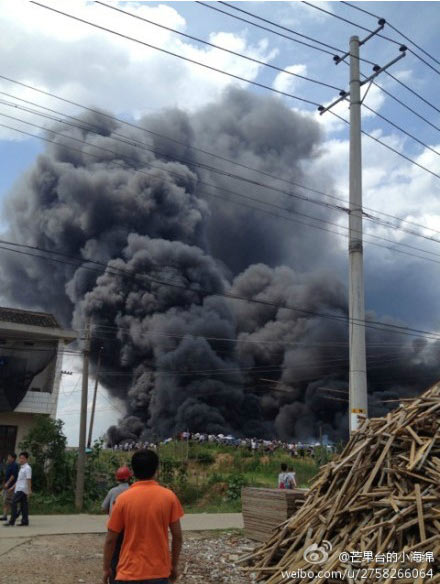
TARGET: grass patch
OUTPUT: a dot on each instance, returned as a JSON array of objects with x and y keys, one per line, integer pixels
[{"x": 208, "y": 478}]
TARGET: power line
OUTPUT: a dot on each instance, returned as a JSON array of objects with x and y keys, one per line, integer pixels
[
  {"x": 211, "y": 7},
  {"x": 366, "y": 29},
  {"x": 376, "y": 325},
  {"x": 247, "y": 57},
  {"x": 84, "y": 124},
  {"x": 406, "y": 106},
  {"x": 342, "y": 19},
  {"x": 397, "y": 80},
  {"x": 329, "y": 345},
  {"x": 125, "y": 122},
  {"x": 240, "y": 195},
  {"x": 376, "y": 113},
  {"x": 407, "y": 158},
  {"x": 396, "y": 30},
  {"x": 387, "y": 38},
  {"x": 261, "y": 85},
  {"x": 87, "y": 125},
  {"x": 233, "y": 7},
  {"x": 138, "y": 144},
  {"x": 177, "y": 55},
  {"x": 206, "y": 5}
]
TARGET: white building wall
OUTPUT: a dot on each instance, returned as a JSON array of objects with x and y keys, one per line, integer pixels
[{"x": 47, "y": 381}]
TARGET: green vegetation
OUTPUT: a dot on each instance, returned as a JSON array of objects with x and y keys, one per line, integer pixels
[{"x": 207, "y": 477}]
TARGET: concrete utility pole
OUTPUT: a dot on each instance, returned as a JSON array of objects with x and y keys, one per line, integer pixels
[
  {"x": 79, "y": 491},
  {"x": 358, "y": 396},
  {"x": 95, "y": 391}
]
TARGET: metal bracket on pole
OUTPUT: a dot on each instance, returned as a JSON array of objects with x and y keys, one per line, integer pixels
[
  {"x": 377, "y": 71},
  {"x": 381, "y": 22}
]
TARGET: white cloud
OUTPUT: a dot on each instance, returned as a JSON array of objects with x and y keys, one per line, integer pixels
[
  {"x": 390, "y": 185},
  {"x": 97, "y": 68},
  {"x": 108, "y": 410},
  {"x": 287, "y": 83}
]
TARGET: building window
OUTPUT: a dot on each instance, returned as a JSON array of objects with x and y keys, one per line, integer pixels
[{"x": 8, "y": 436}]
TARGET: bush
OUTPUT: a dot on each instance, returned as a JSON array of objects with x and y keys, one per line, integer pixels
[
  {"x": 235, "y": 484},
  {"x": 46, "y": 443},
  {"x": 322, "y": 455},
  {"x": 205, "y": 458}
]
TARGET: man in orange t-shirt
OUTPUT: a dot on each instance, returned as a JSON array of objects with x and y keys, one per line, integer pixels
[{"x": 144, "y": 512}]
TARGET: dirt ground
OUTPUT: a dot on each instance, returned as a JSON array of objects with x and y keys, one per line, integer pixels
[{"x": 207, "y": 558}]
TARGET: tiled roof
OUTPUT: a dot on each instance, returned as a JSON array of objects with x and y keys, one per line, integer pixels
[{"x": 28, "y": 317}]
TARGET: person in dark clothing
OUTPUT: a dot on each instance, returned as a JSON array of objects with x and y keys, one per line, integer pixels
[
  {"x": 11, "y": 475},
  {"x": 22, "y": 490}
]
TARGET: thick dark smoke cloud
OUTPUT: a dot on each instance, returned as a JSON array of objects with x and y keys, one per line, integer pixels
[{"x": 180, "y": 354}]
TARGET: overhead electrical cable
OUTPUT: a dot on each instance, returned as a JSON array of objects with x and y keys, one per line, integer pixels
[
  {"x": 220, "y": 48},
  {"x": 394, "y": 247},
  {"x": 340, "y": 50},
  {"x": 381, "y": 35},
  {"x": 409, "y": 40},
  {"x": 376, "y": 325},
  {"x": 177, "y": 55},
  {"x": 228, "y": 74},
  {"x": 407, "y": 158},
  {"x": 328, "y": 52},
  {"x": 376, "y": 113},
  {"x": 397, "y": 80},
  {"x": 406, "y": 106},
  {"x": 212, "y": 7},
  {"x": 131, "y": 139},
  {"x": 262, "y": 63},
  {"x": 133, "y": 142}
]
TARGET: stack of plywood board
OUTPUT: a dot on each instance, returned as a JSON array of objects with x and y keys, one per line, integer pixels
[
  {"x": 265, "y": 509},
  {"x": 375, "y": 507}
]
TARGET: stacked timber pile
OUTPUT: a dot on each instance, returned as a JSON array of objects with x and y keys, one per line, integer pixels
[
  {"x": 264, "y": 509},
  {"x": 376, "y": 507}
]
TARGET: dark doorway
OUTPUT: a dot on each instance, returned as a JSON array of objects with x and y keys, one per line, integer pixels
[{"x": 8, "y": 436}]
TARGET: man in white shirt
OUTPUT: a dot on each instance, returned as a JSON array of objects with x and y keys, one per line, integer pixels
[{"x": 22, "y": 490}]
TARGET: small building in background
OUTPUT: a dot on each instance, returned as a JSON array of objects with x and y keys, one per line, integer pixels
[{"x": 31, "y": 353}]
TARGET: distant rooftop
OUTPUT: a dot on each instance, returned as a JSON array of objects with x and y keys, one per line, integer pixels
[{"x": 28, "y": 317}]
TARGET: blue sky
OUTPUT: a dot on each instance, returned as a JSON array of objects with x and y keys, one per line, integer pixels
[{"x": 95, "y": 68}]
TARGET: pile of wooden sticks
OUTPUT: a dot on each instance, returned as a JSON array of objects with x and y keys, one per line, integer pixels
[{"x": 376, "y": 506}]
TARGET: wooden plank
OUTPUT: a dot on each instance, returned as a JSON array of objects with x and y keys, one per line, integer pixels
[{"x": 420, "y": 512}]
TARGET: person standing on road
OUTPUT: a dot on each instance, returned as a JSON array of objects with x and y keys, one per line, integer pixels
[
  {"x": 11, "y": 475},
  {"x": 22, "y": 491},
  {"x": 145, "y": 513},
  {"x": 123, "y": 476}
]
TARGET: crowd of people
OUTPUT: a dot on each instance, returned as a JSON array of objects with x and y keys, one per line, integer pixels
[{"x": 253, "y": 444}]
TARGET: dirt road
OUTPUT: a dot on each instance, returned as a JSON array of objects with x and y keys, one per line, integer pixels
[{"x": 207, "y": 558}]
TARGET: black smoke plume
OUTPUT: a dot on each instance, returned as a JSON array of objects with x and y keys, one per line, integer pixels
[{"x": 179, "y": 351}]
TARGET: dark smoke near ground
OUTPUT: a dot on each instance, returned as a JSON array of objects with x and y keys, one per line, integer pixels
[{"x": 181, "y": 355}]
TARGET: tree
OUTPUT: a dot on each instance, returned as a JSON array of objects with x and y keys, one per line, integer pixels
[{"x": 46, "y": 444}]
